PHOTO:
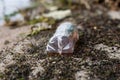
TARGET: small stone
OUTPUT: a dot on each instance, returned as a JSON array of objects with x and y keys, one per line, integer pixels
[
  {"x": 82, "y": 75},
  {"x": 114, "y": 14},
  {"x": 6, "y": 42},
  {"x": 94, "y": 27},
  {"x": 58, "y": 15},
  {"x": 118, "y": 26}
]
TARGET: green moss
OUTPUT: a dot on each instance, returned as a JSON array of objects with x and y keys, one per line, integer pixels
[
  {"x": 68, "y": 2},
  {"x": 21, "y": 79},
  {"x": 1, "y": 75},
  {"x": 42, "y": 19}
]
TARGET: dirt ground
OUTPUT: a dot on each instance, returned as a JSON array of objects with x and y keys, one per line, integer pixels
[
  {"x": 96, "y": 55},
  {"x": 8, "y": 35}
]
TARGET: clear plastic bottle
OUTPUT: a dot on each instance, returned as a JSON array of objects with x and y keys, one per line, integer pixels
[{"x": 63, "y": 40}]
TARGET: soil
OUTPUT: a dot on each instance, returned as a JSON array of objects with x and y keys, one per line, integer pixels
[
  {"x": 8, "y": 35},
  {"x": 30, "y": 61}
]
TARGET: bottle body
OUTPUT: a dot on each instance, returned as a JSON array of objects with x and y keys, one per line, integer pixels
[{"x": 64, "y": 39}]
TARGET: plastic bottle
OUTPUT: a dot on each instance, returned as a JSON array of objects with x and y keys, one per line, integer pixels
[{"x": 63, "y": 40}]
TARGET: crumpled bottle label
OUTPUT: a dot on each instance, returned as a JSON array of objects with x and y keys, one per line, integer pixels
[{"x": 64, "y": 39}]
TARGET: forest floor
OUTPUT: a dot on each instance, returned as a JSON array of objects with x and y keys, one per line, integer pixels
[{"x": 96, "y": 55}]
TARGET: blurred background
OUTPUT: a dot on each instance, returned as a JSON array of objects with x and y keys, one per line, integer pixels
[
  {"x": 16, "y": 16},
  {"x": 13, "y": 10}
]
